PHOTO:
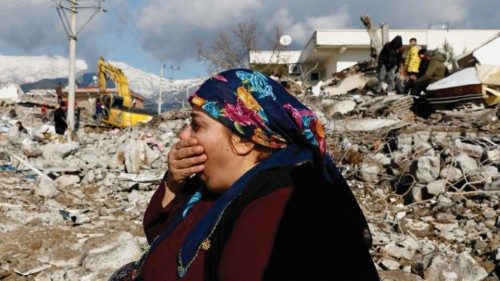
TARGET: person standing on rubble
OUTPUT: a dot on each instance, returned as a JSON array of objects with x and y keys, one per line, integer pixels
[
  {"x": 251, "y": 193},
  {"x": 389, "y": 61},
  {"x": 21, "y": 128},
  {"x": 59, "y": 93},
  {"x": 60, "y": 119},
  {"x": 435, "y": 71},
  {"x": 98, "y": 111},
  {"x": 45, "y": 113},
  {"x": 411, "y": 64},
  {"x": 17, "y": 131},
  {"x": 422, "y": 67}
]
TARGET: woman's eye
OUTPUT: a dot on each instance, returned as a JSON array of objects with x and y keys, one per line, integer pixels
[{"x": 195, "y": 126}]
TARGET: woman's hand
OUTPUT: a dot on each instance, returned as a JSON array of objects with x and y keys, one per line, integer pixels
[{"x": 185, "y": 158}]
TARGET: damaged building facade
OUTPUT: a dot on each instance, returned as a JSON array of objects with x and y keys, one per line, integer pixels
[
  {"x": 331, "y": 50},
  {"x": 429, "y": 187}
]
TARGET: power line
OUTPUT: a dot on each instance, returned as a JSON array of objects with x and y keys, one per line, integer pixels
[
  {"x": 10, "y": 12},
  {"x": 153, "y": 34},
  {"x": 137, "y": 34}
]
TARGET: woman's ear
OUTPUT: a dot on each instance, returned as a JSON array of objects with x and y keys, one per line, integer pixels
[{"x": 241, "y": 146}]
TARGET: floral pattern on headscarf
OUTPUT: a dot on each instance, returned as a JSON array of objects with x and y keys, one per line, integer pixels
[
  {"x": 257, "y": 83},
  {"x": 259, "y": 109},
  {"x": 262, "y": 111}
]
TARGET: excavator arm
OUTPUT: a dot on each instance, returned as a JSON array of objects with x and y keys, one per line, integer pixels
[
  {"x": 106, "y": 70},
  {"x": 121, "y": 111}
]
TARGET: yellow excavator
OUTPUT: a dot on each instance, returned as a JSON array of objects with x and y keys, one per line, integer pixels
[{"x": 119, "y": 108}]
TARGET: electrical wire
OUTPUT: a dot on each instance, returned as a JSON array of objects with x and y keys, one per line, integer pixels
[
  {"x": 150, "y": 30},
  {"x": 136, "y": 33},
  {"x": 10, "y": 12}
]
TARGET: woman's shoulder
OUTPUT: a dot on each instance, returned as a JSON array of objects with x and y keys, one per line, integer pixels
[
  {"x": 269, "y": 192},
  {"x": 274, "y": 202}
]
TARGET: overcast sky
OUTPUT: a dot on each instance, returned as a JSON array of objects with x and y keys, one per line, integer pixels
[{"x": 149, "y": 33}]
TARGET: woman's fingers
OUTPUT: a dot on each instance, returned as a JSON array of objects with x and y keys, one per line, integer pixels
[
  {"x": 184, "y": 173},
  {"x": 187, "y": 152},
  {"x": 191, "y": 161},
  {"x": 186, "y": 157}
]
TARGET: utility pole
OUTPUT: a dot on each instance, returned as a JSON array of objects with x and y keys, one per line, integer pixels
[
  {"x": 70, "y": 114},
  {"x": 172, "y": 68},
  {"x": 72, "y": 32},
  {"x": 159, "y": 89}
]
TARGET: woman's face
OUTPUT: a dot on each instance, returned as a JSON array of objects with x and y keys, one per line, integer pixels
[{"x": 221, "y": 166}]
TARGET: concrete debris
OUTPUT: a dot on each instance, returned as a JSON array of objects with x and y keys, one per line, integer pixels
[
  {"x": 339, "y": 108},
  {"x": 486, "y": 54},
  {"x": 349, "y": 83},
  {"x": 419, "y": 176},
  {"x": 472, "y": 83},
  {"x": 365, "y": 125},
  {"x": 32, "y": 271},
  {"x": 429, "y": 187}
]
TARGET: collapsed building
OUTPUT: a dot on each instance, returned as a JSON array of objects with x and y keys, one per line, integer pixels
[
  {"x": 429, "y": 187},
  {"x": 72, "y": 210}
]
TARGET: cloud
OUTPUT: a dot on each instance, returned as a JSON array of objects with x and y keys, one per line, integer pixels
[
  {"x": 178, "y": 23},
  {"x": 174, "y": 25},
  {"x": 421, "y": 14},
  {"x": 25, "y": 25},
  {"x": 159, "y": 30},
  {"x": 301, "y": 30}
]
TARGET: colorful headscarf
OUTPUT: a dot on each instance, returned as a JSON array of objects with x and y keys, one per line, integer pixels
[{"x": 258, "y": 108}]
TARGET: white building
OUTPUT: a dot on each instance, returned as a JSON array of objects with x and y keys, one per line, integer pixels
[
  {"x": 332, "y": 50},
  {"x": 11, "y": 92}
]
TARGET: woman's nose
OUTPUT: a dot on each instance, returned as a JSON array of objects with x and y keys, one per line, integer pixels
[{"x": 186, "y": 132}]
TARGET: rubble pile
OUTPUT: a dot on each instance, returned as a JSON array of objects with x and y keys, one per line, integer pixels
[{"x": 430, "y": 188}]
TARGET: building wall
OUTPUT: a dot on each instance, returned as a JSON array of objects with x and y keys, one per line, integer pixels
[
  {"x": 357, "y": 43},
  {"x": 328, "y": 67},
  {"x": 351, "y": 57},
  {"x": 462, "y": 40},
  {"x": 337, "y": 49},
  {"x": 267, "y": 57}
]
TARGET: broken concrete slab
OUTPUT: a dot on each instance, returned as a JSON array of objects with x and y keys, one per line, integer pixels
[
  {"x": 366, "y": 125},
  {"x": 45, "y": 188},
  {"x": 426, "y": 169},
  {"x": 142, "y": 177},
  {"x": 65, "y": 181},
  {"x": 339, "y": 108},
  {"x": 111, "y": 251},
  {"x": 485, "y": 54},
  {"x": 469, "y": 84},
  {"x": 352, "y": 82}
]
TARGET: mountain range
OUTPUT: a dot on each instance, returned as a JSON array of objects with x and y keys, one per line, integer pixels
[{"x": 45, "y": 72}]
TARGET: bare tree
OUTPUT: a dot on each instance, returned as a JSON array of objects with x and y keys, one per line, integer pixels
[
  {"x": 231, "y": 48},
  {"x": 277, "y": 54}
]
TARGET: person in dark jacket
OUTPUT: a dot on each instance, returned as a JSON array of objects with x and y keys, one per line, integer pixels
[
  {"x": 250, "y": 194},
  {"x": 389, "y": 61},
  {"x": 59, "y": 93},
  {"x": 435, "y": 71},
  {"x": 98, "y": 111},
  {"x": 423, "y": 63},
  {"x": 20, "y": 127},
  {"x": 60, "y": 119}
]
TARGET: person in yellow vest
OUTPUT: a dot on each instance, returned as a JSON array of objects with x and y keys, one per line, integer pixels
[{"x": 411, "y": 64}]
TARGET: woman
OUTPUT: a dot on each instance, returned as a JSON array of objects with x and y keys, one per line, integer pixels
[{"x": 265, "y": 201}]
